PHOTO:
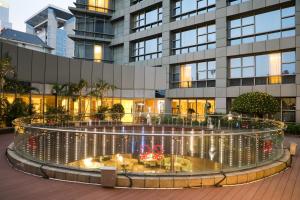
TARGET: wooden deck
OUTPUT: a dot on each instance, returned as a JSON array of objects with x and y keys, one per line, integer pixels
[{"x": 17, "y": 185}]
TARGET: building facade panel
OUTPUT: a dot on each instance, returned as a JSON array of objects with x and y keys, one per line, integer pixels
[
  {"x": 38, "y": 67},
  {"x": 51, "y": 69}
]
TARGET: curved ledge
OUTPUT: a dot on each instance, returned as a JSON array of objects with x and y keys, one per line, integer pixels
[{"x": 234, "y": 178}]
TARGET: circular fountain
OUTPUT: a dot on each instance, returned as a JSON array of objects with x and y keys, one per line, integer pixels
[{"x": 150, "y": 150}]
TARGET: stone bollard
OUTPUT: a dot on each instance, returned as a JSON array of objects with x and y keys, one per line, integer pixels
[
  {"x": 293, "y": 149},
  {"x": 108, "y": 177}
]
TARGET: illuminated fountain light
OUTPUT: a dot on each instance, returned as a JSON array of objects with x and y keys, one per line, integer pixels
[
  {"x": 132, "y": 141},
  {"x": 212, "y": 149},
  {"x": 85, "y": 144},
  {"x": 41, "y": 147},
  {"x": 230, "y": 150},
  {"x": 113, "y": 141},
  {"x": 240, "y": 151},
  {"x": 143, "y": 140},
  {"x": 95, "y": 143},
  {"x": 67, "y": 148},
  {"x": 57, "y": 148},
  {"x": 248, "y": 150},
  {"x": 104, "y": 142},
  {"x": 152, "y": 137},
  {"x": 182, "y": 142},
  {"x": 192, "y": 143},
  {"x": 172, "y": 142},
  {"x": 256, "y": 148},
  {"x": 48, "y": 147},
  {"x": 76, "y": 146},
  {"x": 163, "y": 138},
  {"x": 202, "y": 145},
  {"x": 221, "y": 148}
]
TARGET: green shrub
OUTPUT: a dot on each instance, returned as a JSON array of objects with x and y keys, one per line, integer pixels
[
  {"x": 117, "y": 112},
  {"x": 293, "y": 129},
  {"x": 101, "y": 112},
  {"x": 17, "y": 109},
  {"x": 255, "y": 103},
  {"x": 56, "y": 114}
]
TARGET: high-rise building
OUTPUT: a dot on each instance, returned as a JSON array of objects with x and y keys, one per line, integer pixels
[
  {"x": 93, "y": 30},
  {"x": 176, "y": 55},
  {"x": 210, "y": 50},
  {"x": 4, "y": 15},
  {"x": 53, "y": 25}
]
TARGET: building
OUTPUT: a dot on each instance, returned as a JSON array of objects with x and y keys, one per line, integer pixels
[
  {"x": 24, "y": 40},
  {"x": 172, "y": 55},
  {"x": 53, "y": 25},
  {"x": 4, "y": 15}
]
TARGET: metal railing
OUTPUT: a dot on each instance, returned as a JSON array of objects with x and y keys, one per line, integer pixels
[{"x": 150, "y": 144}]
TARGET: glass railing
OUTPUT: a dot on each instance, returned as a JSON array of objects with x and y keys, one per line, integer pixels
[{"x": 150, "y": 144}]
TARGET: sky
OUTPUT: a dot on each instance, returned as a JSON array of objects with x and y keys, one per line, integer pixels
[{"x": 21, "y": 10}]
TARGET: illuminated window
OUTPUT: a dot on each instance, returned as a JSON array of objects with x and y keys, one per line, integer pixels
[
  {"x": 274, "y": 68},
  {"x": 193, "y": 75},
  {"x": 98, "y": 53},
  {"x": 99, "y": 5}
]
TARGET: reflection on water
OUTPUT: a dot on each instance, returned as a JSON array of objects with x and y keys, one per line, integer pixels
[{"x": 150, "y": 164}]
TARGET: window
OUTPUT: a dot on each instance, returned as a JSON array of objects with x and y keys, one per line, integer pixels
[
  {"x": 194, "y": 40},
  {"x": 147, "y": 19},
  {"x": 147, "y": 49},
  {"x": 186, "y": 8},
  {"x": 193, "y": 75},
  {"x": 288, "y": 110},
  {"x": 99, "y": 5},
  {"x": 181, "y": 106},
  {"x": 257, "y": 28},
  {"x": 95, "y": 52},
  {"x": 93, "y": 27},
  {"x": 234, "y": 2},
  {"x": 274, "y": 68}
]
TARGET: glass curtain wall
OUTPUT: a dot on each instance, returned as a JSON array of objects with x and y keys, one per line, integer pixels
[
  {"x": 193, "y": 75},
  {"x": 147, "y": 19},
  {"x": 257, "y": 27},
  {"x": 194, "y": 40},
  {"x": 273, "y": 68},
  {"x": 182, "y": 9}
]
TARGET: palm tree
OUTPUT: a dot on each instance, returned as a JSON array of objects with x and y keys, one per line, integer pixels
[
  {"x": 100, "y": 88},
  {"x": 6, "y": 69},
  {"x": 80, "y": 86},
  {"x": 58, "y": 90}
]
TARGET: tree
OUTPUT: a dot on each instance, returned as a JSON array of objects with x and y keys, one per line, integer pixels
[
  {"x": 100, "y": 88},
  {"x": 6, "y": 69},
  {"x": 58, "y": 90},
  {"x": 117, "y": 112},
  {"x": 256, "y": 103},
  {"x": 80, "y": 86}
]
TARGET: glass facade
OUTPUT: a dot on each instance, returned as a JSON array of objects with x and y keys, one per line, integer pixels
[
  {"x": 273, "y": 68},
  {"x": 193, "y": 75},
  {"x": 103, "y": 6},
  {"x": 147, "y": 49},
  {"x": 93, "y": 27},
  {"x": 183, "y": 9},
  {"x": 182, "y": 106},
  {"x": 257, "y": 27},
  {"x": 91, "y": 51},
  {"x": 193, "y": 40},
  {"x": 147, "y": 19}
]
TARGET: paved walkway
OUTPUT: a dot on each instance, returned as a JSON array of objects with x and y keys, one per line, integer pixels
[{"x": 17, "y": 185}]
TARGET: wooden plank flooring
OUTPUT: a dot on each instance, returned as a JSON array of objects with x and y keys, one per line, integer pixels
[{"x": 17, "y": 185}]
